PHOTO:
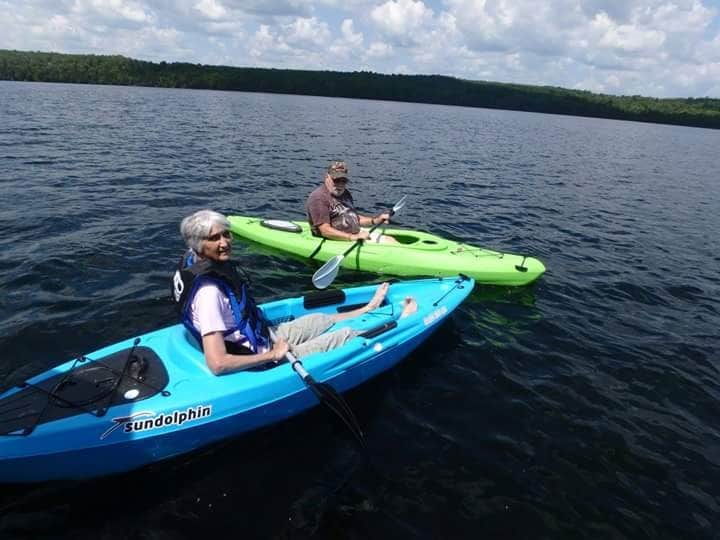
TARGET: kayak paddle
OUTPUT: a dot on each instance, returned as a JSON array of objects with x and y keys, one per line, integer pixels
[
  {"x": 326, "y": 274},
  {"x": 326, "y": 395}
]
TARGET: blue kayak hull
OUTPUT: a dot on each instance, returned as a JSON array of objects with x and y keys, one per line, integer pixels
[{"x": 194, "y": 408}]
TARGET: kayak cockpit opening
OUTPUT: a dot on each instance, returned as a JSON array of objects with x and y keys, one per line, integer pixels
[{"x": 405, "y": 239}]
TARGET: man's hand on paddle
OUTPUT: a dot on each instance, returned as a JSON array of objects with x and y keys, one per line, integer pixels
[
  {"x": 362, "y": 235},
  {"x": 383, "y": 218}
]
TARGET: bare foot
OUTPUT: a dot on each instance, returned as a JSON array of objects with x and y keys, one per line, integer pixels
[
  {"x": 409, "y": 306},
  {"x": 379, "y": 296}
]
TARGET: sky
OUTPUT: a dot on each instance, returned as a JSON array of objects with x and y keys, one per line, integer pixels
[{"x": 658, "y": 48}]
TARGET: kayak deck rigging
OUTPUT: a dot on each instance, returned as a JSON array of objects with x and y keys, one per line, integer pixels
[{"x": 89, "y": 386}]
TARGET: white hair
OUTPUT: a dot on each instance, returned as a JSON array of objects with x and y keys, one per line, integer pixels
[{"x": 195, "y": 228}]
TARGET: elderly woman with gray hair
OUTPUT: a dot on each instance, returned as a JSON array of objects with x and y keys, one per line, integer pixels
[{"x": 217, "y": 308}]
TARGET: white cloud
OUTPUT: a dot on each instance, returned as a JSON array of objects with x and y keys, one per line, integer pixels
[
  {"x": 378, "y": 49},
  {"x": 115, "y": 9},
  {"x": 262, "y": 41},
  {"x": 709, "y": 52},
  {"x": 401, "y": 18},
  {"x": 671, "y": 17},
  {"x": 347, "y": 44},
  {"x": 273, "y": 8},
  {"x": 482, "y": 23},
  {"x": 211, "y": 9},
  {"x": 304, "y": 32},
  {"x": 349, "y": 35},
  {"x": 624, "y": 37},
  {"x": 651, "y": 47},
  {"x": 57, "y": 25}
]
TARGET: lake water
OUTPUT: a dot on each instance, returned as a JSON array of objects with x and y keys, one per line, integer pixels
[{"x": 584, "y": 406}]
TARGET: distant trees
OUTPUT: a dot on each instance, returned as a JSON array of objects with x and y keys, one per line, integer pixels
[{"x": 72, "y": 68}]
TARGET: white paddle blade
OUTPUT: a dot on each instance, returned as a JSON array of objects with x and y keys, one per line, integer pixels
[
  {"x": 327, "y": 272},
  {"x": 398, "y": 205}
]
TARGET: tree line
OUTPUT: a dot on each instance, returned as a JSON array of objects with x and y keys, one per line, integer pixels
[{"x": 437, "y": 89}]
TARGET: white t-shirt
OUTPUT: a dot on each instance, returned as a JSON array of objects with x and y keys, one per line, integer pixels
[{"x": 210, "y": 311}]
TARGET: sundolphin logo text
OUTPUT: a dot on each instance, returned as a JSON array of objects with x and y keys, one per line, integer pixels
[
  {"x": 434, "y": 316},
  {"x": 140, "y": 421}
]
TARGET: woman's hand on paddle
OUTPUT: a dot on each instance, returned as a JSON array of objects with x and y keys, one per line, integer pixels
[{"x": 280, "y": 349}]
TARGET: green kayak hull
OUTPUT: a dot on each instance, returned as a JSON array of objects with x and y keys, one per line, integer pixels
[{"x": 417, "y": 254}]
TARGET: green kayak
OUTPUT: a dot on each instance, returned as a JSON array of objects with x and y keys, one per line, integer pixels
[{"x": 417, "y": 254}]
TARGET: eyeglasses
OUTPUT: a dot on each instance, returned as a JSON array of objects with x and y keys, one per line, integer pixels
[{"x": 215, "y": 237}]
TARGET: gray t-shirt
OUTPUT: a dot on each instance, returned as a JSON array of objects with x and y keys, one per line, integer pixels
[{"x": 324, "y": 207}]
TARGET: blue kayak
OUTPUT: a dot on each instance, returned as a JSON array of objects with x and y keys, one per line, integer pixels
[{"x": 151, "y": 398}]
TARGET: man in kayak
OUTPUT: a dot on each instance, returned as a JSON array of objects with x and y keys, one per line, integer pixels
[
  {"x": 217, "y": 307},
  {"x": 331, "y": 211}
]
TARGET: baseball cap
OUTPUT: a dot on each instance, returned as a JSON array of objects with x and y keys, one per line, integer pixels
[{"x": 337, "y": 169}]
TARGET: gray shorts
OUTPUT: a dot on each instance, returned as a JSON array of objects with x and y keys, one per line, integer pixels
[{"x": 308, "y": 334}]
